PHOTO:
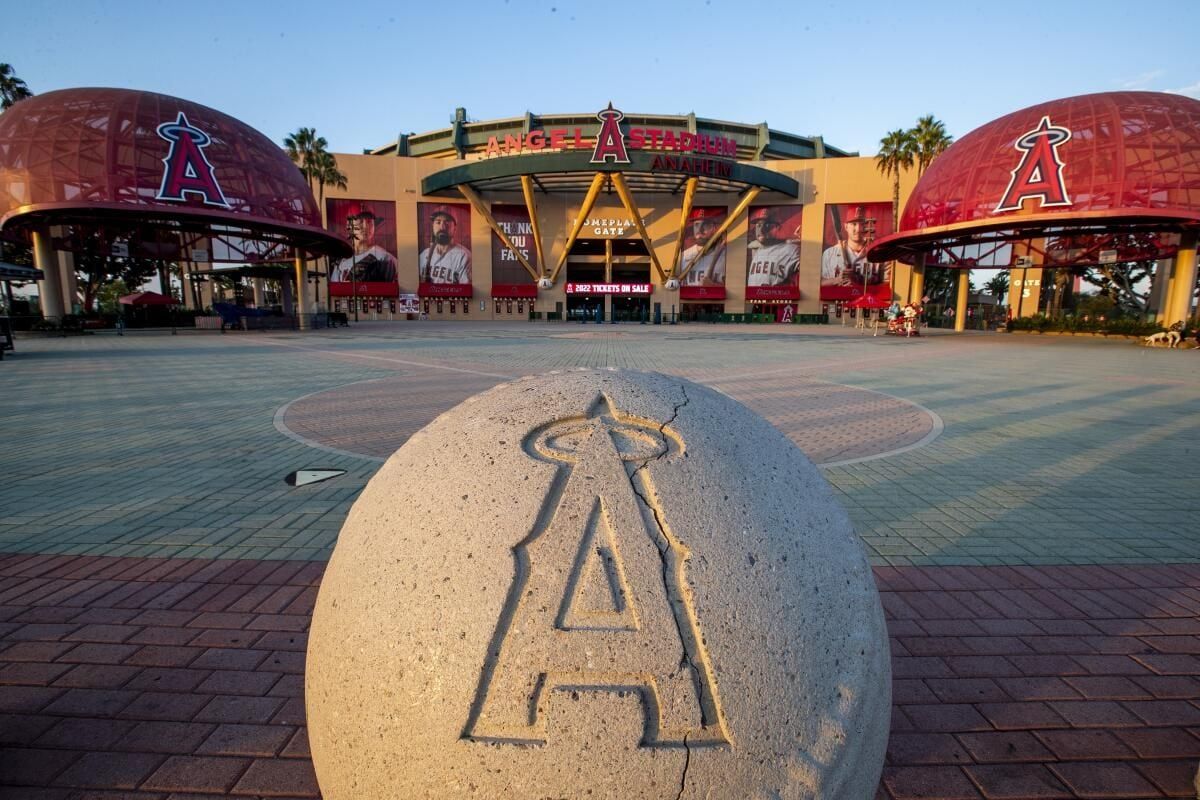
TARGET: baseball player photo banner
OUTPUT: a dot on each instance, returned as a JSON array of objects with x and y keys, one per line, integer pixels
[
  {"x": 845, "y": 272},
  {"x": 444, "y": 249},
  {"x": 773, "y": 253},
  {"x": 371, "y": 227},
  {"x": 703, "y": 279},
  {"x": 509, "y": 278}
]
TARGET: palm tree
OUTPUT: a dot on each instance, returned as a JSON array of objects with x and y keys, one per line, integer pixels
[
  {"x": 12, "y": 88},
  {"x": 896, "y": 153},
  {"x": 302, "y": 148},
  {"x": 998, "y": 285},
  {"x": 319, "y": 166},
  {"x": 929, "y": 141},
  {"x": 310, "y": 154},
  {"x": 328, "y": 174}
]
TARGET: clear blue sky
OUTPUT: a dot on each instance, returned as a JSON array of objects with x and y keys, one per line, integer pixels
[{"x": 361, "y": 72}]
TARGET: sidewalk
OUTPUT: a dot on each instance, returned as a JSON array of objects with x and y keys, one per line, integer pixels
[
  {"x": 175, "y": 675},
  {"x": 1028, "y": 504}
]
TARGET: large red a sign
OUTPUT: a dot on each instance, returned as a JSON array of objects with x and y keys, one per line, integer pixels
[
  {"x": 610, "y": 142},
  {"x": 1040, "y": 173},
  {"x": 185, "y": 168}
]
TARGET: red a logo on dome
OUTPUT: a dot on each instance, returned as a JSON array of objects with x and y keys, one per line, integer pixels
[
  {"x": 1040, "y": 173},
  {"x": 186, "y": 169},
  {"x": 610, "y": 142}
]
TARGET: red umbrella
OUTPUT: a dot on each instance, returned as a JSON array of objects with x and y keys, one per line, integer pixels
[
  {"x": 148, "y": 299},
  {"x": 869, "y": 301}
]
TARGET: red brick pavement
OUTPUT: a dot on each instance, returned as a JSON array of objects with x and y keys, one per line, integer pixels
[{"x": 172, "y": 678}]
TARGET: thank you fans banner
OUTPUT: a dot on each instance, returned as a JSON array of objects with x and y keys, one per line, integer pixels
[{"x": 509, "y": 278}]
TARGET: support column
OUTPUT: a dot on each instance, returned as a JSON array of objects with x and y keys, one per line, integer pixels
[
  {"x": 260, "y": 293},
  {"x": 960, "y": 309},
  {"x": 50, "y": 295},
  {"x": 916, "y": 287},
  {"x": 1179, "y": 298},
  {"x": 1160, "y": 281},
  {"x": 186, "y": 298},
  {"x": 70, "y": 282},
  {"x": 1168, "y": 295},
  {"x": 285, "y": 296},
  {"x": 303, "y": 321}
]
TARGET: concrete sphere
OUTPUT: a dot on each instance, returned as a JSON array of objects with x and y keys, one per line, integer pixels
[
  {"x": 545, "y": 283},
  {"x": 672, "y": 285},
  {"x": 598, "y": 584}
]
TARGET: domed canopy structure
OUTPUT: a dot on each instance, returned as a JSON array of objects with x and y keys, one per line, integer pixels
[
  {"x": 1074, "y": 178},
  {"x": 155, "y": 172}
]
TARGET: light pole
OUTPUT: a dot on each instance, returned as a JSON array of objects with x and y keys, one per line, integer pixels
[
  {"x": 866, "y": 302},
  {"x": 355, "y": 232}
]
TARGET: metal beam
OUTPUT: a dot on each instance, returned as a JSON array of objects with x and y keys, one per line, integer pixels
[
  {"x": 721, "y": 231},
  {"x": 531, "y": 207},
  {"x": 482, "y": 209},
  {"x": 631, "y": 206},
  {"x": 689, "y": 194},
  {"x": 589, "y": 200}
]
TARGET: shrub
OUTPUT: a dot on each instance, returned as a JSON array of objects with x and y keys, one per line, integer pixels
[{"x": 1118, "y": 326}]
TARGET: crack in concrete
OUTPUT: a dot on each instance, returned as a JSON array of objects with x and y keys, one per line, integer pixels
[
  {"x": 663, "y": 545},
  {"x": 687, "y": 761}
]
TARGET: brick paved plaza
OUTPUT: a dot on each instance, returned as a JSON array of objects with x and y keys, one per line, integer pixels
[{"x": 1029, "y": 503}]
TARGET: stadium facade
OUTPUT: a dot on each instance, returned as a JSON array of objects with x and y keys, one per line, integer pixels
[{"x": 607, "y": 215}]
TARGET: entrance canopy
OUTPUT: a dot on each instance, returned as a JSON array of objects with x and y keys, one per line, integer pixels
[
  {"x": 135, "y": 174},
  {"x": 645, "y": 172},
  {"x": 16, "y": 272},
  {"x": 616, "y": 156},
  {"x": 1094, "y": 179}
]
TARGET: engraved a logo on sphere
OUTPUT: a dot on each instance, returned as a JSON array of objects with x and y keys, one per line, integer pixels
[{"x": 599, "y": 601}]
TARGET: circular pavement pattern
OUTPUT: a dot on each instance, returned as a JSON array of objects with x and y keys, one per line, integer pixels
[{"x": 833, "y": 424}]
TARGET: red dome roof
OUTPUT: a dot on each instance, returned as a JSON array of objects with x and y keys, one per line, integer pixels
[
  {"x": 104, "y": 153},
  {"x": 1118, "y": 159}
]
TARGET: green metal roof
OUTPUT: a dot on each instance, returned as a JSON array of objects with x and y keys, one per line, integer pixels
[
  {"x": 755, "y": 142},
  {"x": 572, "y": 171}
]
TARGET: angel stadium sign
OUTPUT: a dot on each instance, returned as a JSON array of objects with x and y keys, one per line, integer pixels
[{"x": 612, "y": 144}]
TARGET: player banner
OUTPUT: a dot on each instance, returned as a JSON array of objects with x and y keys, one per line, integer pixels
[
  {"x": 845, "y": 272},
  {"x": 703, "y": 279},
  {"x": 444, "y": 249},
  {"x": 371, "y": 227},
  {"x": 773, "y": 253},
  {"x": 509, "y": 278}
]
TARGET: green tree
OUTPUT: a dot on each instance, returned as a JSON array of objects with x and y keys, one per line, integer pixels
[
  {"x": 941, "y": 285},
  {"x": 328, "y": 174},
  {"x": 97, "y": 268},
  {"x": 1096, "y": 305},
  {"x": 12, "y": 88},
  {"x": 109, "y": 296},
  {"x": 310, "y": 153},
  {"x": 896, "y": 154},
  {"x": 1127, "y": 285},
  {"x": 998, "y": 286},
  {"x": 930, "y": 140},
  {"x": 301, "y": 148}
]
